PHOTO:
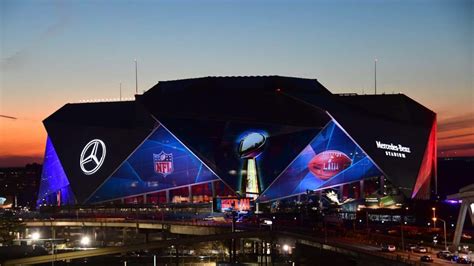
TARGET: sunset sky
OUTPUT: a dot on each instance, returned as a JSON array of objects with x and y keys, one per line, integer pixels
[{"x": 55, "y": 52}]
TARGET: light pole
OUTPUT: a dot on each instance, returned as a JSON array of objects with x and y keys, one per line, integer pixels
[
  {"x": 434, "y": 215},
  {"x": 402, "y": 220},
  {"x": 367, "y": 221},
  {"x": 444, "y": 227},
  {"x": 375, "y": 75},
  {"x": 136, "y": 76}
]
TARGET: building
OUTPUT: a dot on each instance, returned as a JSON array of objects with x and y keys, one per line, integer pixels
[
  {"x": 19, "y": 186},
  {"x": 263, "y": 138}
]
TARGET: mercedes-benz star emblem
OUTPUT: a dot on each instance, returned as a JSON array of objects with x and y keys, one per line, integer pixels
[{"x": 92, "y": 156}]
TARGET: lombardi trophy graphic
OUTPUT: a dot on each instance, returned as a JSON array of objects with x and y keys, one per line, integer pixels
[{"x": 250, "y": 147}]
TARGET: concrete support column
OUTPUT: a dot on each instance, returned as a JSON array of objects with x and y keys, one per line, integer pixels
[
  {"x": 177, "y": 255},
  {"x": 144, "y": 199},
  {"x": 320, "y": 197},
  {"x": 382, "y": 184},
  {"x": 340, "y": 192},
  {"x": 362, "y": 189},
  {"x": 167, "y": 196},
  {"x": 104, "y": 236},
  {"x": 190, "y": 194},
  {"x": 460, "y": 224},
  {"x": 213, "y": 189},
  {"x": 124, "y": 235}
]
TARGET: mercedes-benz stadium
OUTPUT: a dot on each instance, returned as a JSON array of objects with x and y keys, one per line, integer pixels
[{"x": 261, "y": 139}]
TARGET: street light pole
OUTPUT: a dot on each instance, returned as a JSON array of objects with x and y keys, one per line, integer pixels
[
  {"x": 367, "y": 221},
  {"x": 402, "y": 220},
  {"x": 375, "y": 75},
  {"x": 434, "y": 215},
  {"x": 444, "y": 227}
]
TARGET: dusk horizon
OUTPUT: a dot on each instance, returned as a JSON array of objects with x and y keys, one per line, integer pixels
[{"x": 71, "y": 51}]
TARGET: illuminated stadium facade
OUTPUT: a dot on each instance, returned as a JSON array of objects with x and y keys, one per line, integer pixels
[{"x": 263, "y": 138}]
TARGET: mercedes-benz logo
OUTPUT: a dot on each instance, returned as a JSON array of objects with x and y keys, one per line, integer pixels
[{"x": 92, "y": 156}]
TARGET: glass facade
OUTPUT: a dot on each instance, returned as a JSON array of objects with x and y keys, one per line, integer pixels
[
  {"x": 331, "y": 159},
  {"x": 161, "y": 162},
  {"x": 54, "y": 186}
]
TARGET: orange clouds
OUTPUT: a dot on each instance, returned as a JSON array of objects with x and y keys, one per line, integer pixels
[
  {"x": 456, "y": 136},
  {"x": 21, "y": 141}
]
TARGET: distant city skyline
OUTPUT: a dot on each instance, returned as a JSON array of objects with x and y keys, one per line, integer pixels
[{"x": 55, "y": 52}]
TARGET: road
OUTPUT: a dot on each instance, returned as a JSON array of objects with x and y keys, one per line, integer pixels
[{"x": 405, "y": 254}]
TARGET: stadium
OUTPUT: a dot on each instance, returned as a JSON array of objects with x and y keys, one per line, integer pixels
[{"x": 250, "y": 139}]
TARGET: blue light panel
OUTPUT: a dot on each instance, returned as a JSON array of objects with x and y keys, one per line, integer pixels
[
  {"x": 161, "y": 162},
  {"x": 337, "y": 160},
  {"x": 53, "y": 179}
]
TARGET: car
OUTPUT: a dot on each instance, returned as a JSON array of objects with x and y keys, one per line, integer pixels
[
  {"x": 420, "y": 249},
  {"x": 452, "y": 257},
  {"x": 392, "y": 232},
  {"x": 411, "y": 247},
  {"x": 389, "y": 248},
  {"x": 463, "y": 260},
  {"x": 426, "y": 258},
  {"x": 444, "y": 254},
  {"x": 208, "y": 218}
]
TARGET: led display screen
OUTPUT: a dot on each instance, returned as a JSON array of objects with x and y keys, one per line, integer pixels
[
  {"x": 160, "y": 162},
  {"x": 232, "y": 204},
  {"x": 330, "y": 159},
  {"x": 237, "y": 150}
]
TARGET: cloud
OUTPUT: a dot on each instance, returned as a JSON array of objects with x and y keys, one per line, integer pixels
[
  {"x": 458, "y": 122},
  {"x": 19, "y": 161},
  {"x": 22, "y": 56},
  {"x": 8, "y": 117},
  {"x": 456, "y": 136},
  {"x": 457, "y": 147}
]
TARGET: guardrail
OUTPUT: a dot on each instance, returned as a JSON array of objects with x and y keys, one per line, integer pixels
[
  {"x": 331, "y": 245},
  {"x": 130, "y": 248}
]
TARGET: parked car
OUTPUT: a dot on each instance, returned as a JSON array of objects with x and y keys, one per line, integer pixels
[
  {"x": 420, "y": 249},
  {"x": 389, "y": 248},
  {"x": 208, "y": 218},
  {"x": 444, "y": 254},
  {"x": 463, "y": 260},
  {"x": 426, "y": 258},
  {"x": 411, "y": 247}
]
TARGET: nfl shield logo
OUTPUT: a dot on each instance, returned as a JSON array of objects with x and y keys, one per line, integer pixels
[{"x": 163, "y": 163}]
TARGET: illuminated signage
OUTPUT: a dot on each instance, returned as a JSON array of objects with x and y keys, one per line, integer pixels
[
  {"x": 393, "y": 150},
  {"x": 227, "y": 204},
  {"x": 329, "y": 163},
  {"x": 250, "y": 147},
  {"x": 163, "y": 163},
  {"x": 92, "y": 156}
]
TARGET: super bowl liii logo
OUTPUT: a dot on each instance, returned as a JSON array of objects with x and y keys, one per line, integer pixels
[{"x": 393, "y": 150}]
